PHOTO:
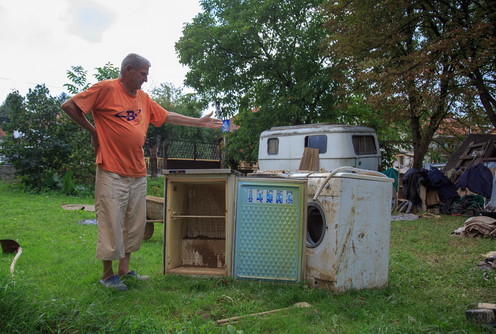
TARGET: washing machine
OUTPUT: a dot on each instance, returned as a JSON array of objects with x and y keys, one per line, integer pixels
[{"x": 348, "y": 229}]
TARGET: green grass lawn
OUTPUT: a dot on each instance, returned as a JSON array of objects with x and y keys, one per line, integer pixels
[{"x": 433, "y": 280}]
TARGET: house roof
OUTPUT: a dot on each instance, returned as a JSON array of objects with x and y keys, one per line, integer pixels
[{"x": 452, "y": 127}]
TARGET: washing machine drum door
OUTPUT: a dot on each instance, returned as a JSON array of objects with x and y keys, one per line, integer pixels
[{"x": 316, "y": 224}]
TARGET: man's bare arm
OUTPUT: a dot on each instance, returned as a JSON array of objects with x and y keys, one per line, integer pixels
[
  {"x": 205, "y": 121},
  {"x": 79, "y": 117}
]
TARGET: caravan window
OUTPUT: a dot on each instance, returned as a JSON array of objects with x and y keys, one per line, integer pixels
[
  {"x": 273, "y": 146},
  {"x": 319, "y": 142},
  {"x": 364, "y": 145}
]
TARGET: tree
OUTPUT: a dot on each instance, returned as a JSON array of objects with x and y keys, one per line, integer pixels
[
  {"x": 172, "y": 98},
  {"x": 398, "y": 55},
  {"x": 40, "y": 152},
  {"x": 471, "y": 41},
  {"x": 260, "y": 54},
  {"x": 4, "y": 117},
  {"x": 78, "y": 77}
]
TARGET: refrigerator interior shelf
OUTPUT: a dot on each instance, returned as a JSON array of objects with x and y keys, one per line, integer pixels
[{"x": 195, "y": 216}]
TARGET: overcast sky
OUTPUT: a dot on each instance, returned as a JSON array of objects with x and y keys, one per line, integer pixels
[{"x": 41, "y": 40}]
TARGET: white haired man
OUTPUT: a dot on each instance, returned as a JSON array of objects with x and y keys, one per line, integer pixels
[{"x": 121, "y": 114}]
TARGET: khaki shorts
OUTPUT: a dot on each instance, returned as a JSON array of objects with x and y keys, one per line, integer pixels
[{"x": 120, "y": 204}]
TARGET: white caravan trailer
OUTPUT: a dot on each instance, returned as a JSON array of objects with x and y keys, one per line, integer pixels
[{"x": 281, "y": 148}]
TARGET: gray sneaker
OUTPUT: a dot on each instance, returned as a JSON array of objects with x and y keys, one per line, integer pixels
[
  {"x": 134, "y": 275},
  {"x": 114, "y": 282}
]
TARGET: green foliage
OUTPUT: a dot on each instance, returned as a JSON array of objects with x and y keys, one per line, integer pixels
[
  {"x": 155, "y": 186},
  {"x": 240, "y": 145},
  {"x": 4, "y": 117},
  {"x": 260, "y": 54},
  {"x": 66, "y": 184},
  {"x": 172, "y": 98},
  {"x": 78, "y": 77},
  {"x": 108, "y": 71},
  {"x": 42, "y": 149},
  {"x": 53, "y": 152}
]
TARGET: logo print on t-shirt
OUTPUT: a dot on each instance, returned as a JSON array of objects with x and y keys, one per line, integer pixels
[{"x": 130, "y": 115}]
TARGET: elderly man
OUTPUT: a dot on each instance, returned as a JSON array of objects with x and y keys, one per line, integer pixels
[{"x": 122, "y": 113}]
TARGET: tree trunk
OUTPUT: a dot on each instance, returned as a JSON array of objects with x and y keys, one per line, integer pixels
[{"x": 485, "y": 97}]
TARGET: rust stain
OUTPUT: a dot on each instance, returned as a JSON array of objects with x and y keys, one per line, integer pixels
[
  {"x": 341, "y": 264},
  {"x": 204, "y": 252},
  {"x": 207, "y": 255},
  {"x": 318, "y": 274}
]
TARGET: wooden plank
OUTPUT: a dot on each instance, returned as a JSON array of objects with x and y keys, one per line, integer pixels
[
  {"x": 196, "y": 216},
  {"x": 488, "y": 306},
  {"x": 467, "y": 157},
  {"x": 154, "y": 207},
  {"x": 183, "y": 270},
  {"x": 310, "y": 159},
  {"x": 477, "y": 145}
]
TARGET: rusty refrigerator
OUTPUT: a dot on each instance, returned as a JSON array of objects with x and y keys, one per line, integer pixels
[
  {"x": 221, "y": 223},
  {"x": 199, "y": 221}
]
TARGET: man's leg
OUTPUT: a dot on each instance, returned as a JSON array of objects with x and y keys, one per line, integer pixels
[
  {"x": 124, "y": 265},
  {"x": 124, "y": 269},
  {"x": 109, "y": 193},
  {"x": 110, "y": 280},
  {"x": 107, "y": 270},
  {"x": 134, "y": 222}
]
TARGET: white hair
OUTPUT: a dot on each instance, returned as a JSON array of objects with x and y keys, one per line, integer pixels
[{"x": 135, "y": 61}]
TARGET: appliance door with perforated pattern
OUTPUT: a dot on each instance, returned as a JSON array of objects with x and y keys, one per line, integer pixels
[{"x": 270, "y": 229}]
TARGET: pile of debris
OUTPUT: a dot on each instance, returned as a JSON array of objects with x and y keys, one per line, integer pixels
[
  {"x": 464, "y": 186},
  {"x": 478, "y": 227}
]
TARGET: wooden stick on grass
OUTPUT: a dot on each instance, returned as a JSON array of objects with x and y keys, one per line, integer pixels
[{"x": 233, "y": 319}]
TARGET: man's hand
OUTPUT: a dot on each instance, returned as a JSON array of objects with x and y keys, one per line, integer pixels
[{"x": 210, "y": 122}]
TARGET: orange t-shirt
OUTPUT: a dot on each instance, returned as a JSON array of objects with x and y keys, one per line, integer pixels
[{"x": 121, "y": 122}]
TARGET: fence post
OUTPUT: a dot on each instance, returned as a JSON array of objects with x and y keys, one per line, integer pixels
[
  {"x": 165, "y": 153},
  {"x": 153, "y": 157}
]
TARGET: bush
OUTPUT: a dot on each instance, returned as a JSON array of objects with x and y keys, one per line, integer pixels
[{"x": 48, "y": 150}]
